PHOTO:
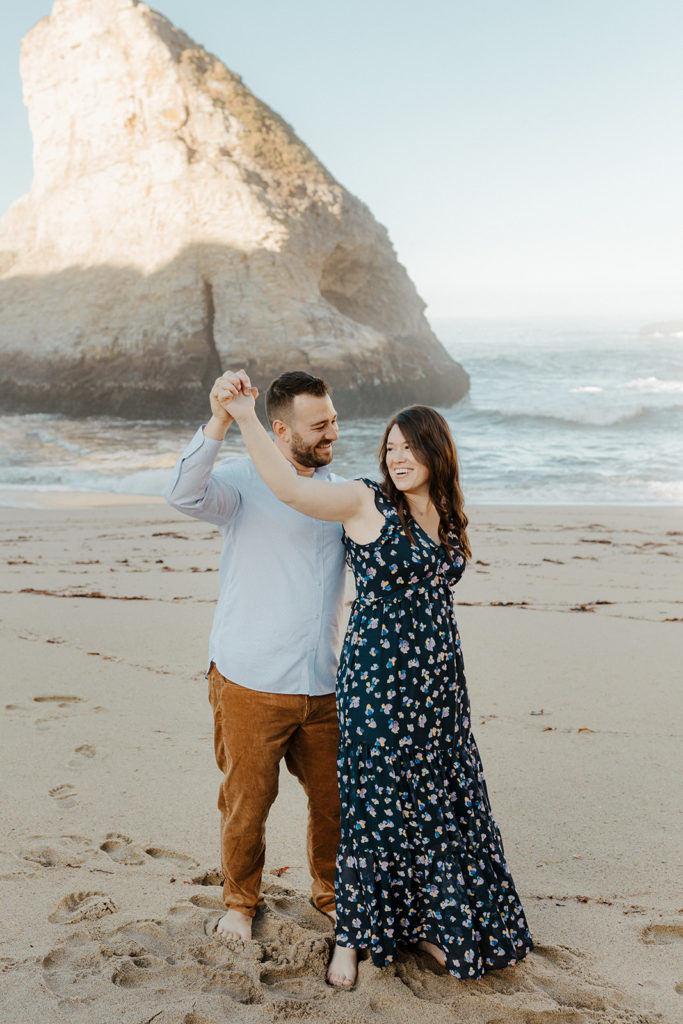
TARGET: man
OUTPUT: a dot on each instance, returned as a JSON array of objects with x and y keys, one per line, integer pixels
[{"x": 275, "y": 638}]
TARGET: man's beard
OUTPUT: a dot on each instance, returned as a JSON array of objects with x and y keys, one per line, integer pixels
[{"x": 308, "y": 454}]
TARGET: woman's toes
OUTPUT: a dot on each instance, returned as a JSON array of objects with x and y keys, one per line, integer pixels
[
  {"x": 339, "y": 980},
  {"x": 429, "y": 947},
  {"x": 343, "y": 968}
]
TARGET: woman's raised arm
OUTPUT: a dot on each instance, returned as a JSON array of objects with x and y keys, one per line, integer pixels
[{"x": 333, "y": 502}]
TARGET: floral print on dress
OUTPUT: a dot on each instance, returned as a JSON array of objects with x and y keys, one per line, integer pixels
[{"x": 420, "y": 855}]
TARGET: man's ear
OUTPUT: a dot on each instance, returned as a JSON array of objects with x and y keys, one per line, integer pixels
[{"x": 280, "y": 430}]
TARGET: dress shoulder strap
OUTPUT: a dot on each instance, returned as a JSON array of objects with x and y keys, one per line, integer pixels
[{"x": 381, "y": 501}]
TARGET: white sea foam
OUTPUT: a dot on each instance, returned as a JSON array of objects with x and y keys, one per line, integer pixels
[
  {"x": 670, "y": 491},
  {"x": 653, "y": 385},
  {"x": 588, "y": 389},
  {"x": 145, "y": 482}
]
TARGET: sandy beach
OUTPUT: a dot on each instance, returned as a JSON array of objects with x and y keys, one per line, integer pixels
[{"x": 571, "y": 623}]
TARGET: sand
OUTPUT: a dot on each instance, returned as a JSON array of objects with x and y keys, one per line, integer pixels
[{"x": 571, "y": 620}]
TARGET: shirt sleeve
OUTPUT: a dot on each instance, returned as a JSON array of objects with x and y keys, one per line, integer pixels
[{"x": 196, "y": 490}]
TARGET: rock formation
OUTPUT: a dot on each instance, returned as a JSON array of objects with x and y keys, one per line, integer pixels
[{"x": 176, "y": 226}]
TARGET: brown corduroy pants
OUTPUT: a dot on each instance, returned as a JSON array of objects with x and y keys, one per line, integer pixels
[{"x": 253, "y": 731}]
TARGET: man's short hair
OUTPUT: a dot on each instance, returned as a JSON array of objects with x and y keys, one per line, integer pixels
[{"x": 286, "y": 387}]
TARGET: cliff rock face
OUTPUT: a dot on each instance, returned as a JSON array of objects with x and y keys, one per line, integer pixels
[{"x": 176, "y": 227}]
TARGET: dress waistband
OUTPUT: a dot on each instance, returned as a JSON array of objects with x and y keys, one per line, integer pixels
[{"x": 428, "y": 582}]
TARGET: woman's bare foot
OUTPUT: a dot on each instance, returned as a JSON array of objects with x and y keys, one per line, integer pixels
[
  {"x": 234, "y": 925},
  {"x": 429, "y": 947},
  {"x": 343, "y": 967}
]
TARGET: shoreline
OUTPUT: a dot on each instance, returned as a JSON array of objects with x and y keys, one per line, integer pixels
[
  {"x": 570, "y": 619},
  {"x": 12, "y": 498},
  {"x": 17, "y": 499}
]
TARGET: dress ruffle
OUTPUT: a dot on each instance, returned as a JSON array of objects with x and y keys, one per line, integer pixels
[{"x": 422, "y": 858}]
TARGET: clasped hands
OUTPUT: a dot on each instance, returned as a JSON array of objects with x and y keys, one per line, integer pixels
[{"x": 233, "y": 394}]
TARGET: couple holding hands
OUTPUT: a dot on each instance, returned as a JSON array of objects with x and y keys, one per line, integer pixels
[{"x": 402, "y": 846}]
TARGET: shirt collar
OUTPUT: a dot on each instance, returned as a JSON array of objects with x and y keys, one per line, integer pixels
[{"x": 321, "y": 472}]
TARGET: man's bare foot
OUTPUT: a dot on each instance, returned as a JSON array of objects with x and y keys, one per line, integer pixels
[
  {"x": 234, "y": 925},
  {"x": 343, "y": 967},
  {"x": 429, "y": 947}
]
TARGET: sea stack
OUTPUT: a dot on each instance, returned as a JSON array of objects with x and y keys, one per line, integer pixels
[{"x": 176, "y": 227}]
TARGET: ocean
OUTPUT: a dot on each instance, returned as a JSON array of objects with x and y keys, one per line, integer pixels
[{"x": 560, "y": 412}]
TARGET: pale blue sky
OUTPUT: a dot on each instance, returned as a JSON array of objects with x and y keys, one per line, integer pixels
[{"x": 525, "y": 155}]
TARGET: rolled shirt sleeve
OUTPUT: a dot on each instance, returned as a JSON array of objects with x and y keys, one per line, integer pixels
[{"x": 196, "y": 490}]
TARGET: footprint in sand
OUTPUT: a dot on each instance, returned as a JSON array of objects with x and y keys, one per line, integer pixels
[
  {"x": 662, "y": 934},
  {"x": 82, "y": 906},
  {"x": 287, "y": 902},
  {"x": 54, "y": 702},
  {"x": 283, "y": 971},
  {"x": 122, "y": 849},
  {"x": 207, "y": 902},
  {"x": 283, "y": 966},
  {"x": 551, "y": 983},
  {"x": 61, "y": 702},
  {"x": 58, "y": 851},
  {"x": 72, "y": 971},
  {"x": 178, "y": 860},
  {"x": 165, "y": 955},
  {"x": 82, "y": 755},
  {"x": 58, "y": 706},
  {"x": 11, "y": 866},
  {"x": 66, "y": 795},
  {"x": 211, "y": 877},
  {"x": 144, "y": 971}
]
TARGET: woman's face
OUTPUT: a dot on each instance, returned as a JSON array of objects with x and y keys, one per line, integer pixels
[{"x": 408, "y": 474}]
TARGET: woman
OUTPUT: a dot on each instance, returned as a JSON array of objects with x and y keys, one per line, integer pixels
[{"x": 421, "y": 860}]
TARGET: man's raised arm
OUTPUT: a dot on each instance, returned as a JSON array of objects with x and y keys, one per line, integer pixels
[{"x": 194, "y": 489}]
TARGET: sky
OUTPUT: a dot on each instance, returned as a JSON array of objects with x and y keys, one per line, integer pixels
[{"x": 526, "y": 156}]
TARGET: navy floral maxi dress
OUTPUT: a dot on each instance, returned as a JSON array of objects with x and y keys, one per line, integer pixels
[{"x": 420, "y": 855}]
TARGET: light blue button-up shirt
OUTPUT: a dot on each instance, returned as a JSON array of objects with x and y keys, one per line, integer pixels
[{"x": 277, "y": 626}]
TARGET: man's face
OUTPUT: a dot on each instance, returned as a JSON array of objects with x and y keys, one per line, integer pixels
[{"x": 311, "y": 430}]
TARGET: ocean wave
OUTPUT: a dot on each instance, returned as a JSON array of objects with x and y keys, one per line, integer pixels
[
  {"x": 655, "y": 386},
  {"x": 590, "y": 420},
  {"x": 587, "y": 389},
  {"x": 146, "y": 482},
  {"x": 45, "y": 438}
]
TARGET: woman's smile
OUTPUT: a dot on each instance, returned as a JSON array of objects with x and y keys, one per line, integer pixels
[{"x": 405, "y": 470}]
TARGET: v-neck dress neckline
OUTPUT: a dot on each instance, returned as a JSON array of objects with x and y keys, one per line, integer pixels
[{"x": 436, "y": 543}]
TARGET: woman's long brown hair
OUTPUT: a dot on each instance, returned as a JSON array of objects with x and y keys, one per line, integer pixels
[{"x": 430, "y": 441}]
